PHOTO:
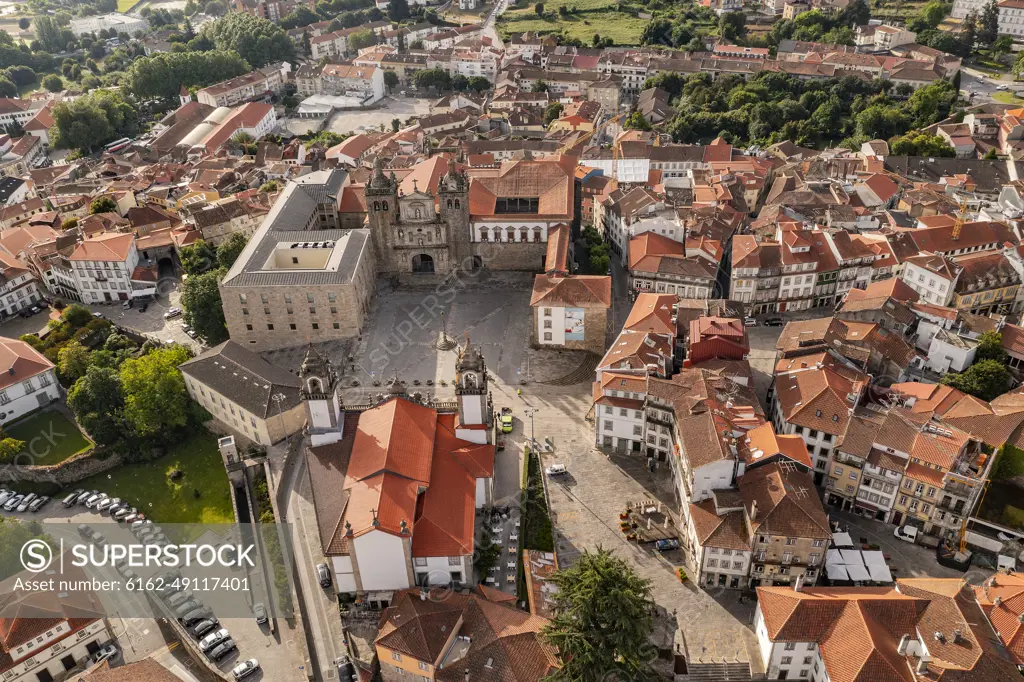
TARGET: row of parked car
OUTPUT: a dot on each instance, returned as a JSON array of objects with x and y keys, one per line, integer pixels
[{"x": 11, "y": 501}]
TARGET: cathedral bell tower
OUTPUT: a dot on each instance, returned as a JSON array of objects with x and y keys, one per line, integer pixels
[
  {"x": 453, "y": 199},
  {"x": 325, "y": 419},
  {"x": 471, "y": 392},
  {"x": 382, "y": 212}
]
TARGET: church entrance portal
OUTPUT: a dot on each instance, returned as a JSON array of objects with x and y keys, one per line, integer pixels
[{"x": 422, "y": 263}]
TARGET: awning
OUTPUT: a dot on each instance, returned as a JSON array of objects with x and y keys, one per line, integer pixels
[
  {"x": 842, "y": 540},
  {"x": 858, "y": 572},
  {"x": 837, "y": 572}
]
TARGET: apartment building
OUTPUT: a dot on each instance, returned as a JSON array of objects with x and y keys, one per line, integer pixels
[
  {"x": 255, "y": 84},
  {"x": 220, "y": 219},
  {"x": 29, "y": 380},
  {"x": 19, "y": 288},
  {"x": 103, "y": 267},
  {"x": 662, "y": 265},
  {"x": 932, "y": 276},
  {"x": 717, "y": 541},
  {"x": 119, "y": 23},
  {"x": 988, "y": 284},
  {"x": 246, "y": 393},
  {"x": 756, "y": 273}
]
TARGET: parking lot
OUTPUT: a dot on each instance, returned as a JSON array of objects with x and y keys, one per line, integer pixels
[
  {"x": 150, "y": 322},
  {"x": 142, "y": 637},
  {"x": 350, "y": 122}
]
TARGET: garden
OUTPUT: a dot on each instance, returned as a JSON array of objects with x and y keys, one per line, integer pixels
[{"x": 50, "y": 438}]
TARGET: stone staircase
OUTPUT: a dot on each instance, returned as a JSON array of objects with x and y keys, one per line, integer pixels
[{"x": 715, "y": 672}]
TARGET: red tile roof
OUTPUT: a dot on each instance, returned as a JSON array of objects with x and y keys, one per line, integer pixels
[{"x": 572, "y": 291}]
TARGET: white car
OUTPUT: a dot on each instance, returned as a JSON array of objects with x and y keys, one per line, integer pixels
[
  {"x": 212, "y": 639},
  {"x": 906, "y": 533},
  {"x": 93, "y": 502},
  {"x": 172, "y": 313},
  {"x": 556, "y": 470},
  {"x": 108, "y": 652},
  {"x": 245, "y": 669},
  {"x": 1002, "y": 87},
  {"x": 749, "y": 322}
]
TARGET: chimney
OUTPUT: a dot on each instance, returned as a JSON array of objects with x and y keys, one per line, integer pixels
[
  {"x": 753, "y": 511},
  {"x": 922, "y": 665},
  {"x": 998, "y": 601},
  {"x": 798, "y": 586},
  {"x": 902, "y": 648}
]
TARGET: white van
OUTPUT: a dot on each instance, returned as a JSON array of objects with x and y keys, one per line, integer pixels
[{"x": 906, "y": 533}]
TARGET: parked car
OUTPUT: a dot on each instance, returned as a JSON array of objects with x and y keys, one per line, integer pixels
[
  {"x": 98, "y": 316},
  {"x": 667, "y": 545},
  {"x": 172, "y": 313},
  {"x": 69, "y": 500},
  {"x": 128, "y": 304},
  {"x": 191, "y": 332},
  {"x": 85, "y": 496},
  {"x": 323, "y": 574},
  {"x": 203, "y": 626},
  {"x": 906, "y": 533},
  {"x": 142, "y": 307},
  {"x": 749, "y": 322},
  {"x": 260, "y": 611},
  {"x": 213, "y": 639},
  {"x": 186, "y": 607},
  {"x": 108, "y": 652},
  {"x": 122, "y": 513},
  {"x": 38, "y": 503},
  {"x": 6, "y": 495},
  {"x": 133, "y": 517},
  {"x": 85, "y": 531},
  {"x": 245, "y": 669},
  {"x": 196, "y": 615},
  {"x": 506, "y": 420},
  {"x": 138, "y": 525},
  {"x": 26, "y": 501},
  {"x": 95, "y": 500},
  {"x": 106, "y": 502},
  {"x": 1002, "y": 87},
  {"x": 774, "y": 322},
  {"x": 222, "y": 649},
  {"x": 556, "y": 470},
  {"x": 99, "y": 540},
  {"x": 13, "y": 502}
]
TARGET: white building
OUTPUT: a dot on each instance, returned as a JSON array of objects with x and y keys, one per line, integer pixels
[
  {"x": 19, "y": 288},
  {"x": 1011, "y": 17},
  {"x": 932, "y": 276},
  {"x": 121, "y": 23},
  {"x": 103, "y": 267},
  {"x": 29, "y": 380},
  {"x": 47, "y": 648}
]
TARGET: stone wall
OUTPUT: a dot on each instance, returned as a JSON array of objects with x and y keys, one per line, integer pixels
[
  {"x": 71, "y": 470},
  {"x": 525, "y": 256}
]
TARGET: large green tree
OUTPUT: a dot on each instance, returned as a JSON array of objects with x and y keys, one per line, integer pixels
[
  {"x": 257, "y": 40},
  {"x": 197, "y": 258},
  {"x": 48, "y": 34},
  {"x": 155, "y": 398},
  {"x": 98, "y": 404},
  {"x": 988, "y": 24},
  {"x": 602, "y": 620},
  {"x": 228, "y": 252},
  {"x": 13, "y": 535},
  {"x": 163, "y": 74},
  {"x": 72, "y": 362},
  {"x": 200, "y": 299},
  {"x": 990, "y": 347},
  {"x": 93, "y": 120},
  {"x": 987, "y": 379},
  {"x": 917, "y": 143}
]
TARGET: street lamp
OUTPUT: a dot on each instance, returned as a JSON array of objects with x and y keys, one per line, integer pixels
[
  {"x": 533, "y": 440},
  {"x": 277, "y": 398}
]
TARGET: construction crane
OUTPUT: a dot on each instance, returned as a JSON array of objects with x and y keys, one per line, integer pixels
[{"x": 961, "y": 214}]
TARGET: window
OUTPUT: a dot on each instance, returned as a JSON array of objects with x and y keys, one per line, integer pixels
[
  {"x": 248, "y": 327},
  {"x": 316, "y": 326},
  {"x": 420, "y": 561},
  {"x": 547, "y": 336},
  {"x": 808, "y": 660},
  {"x": 853, "y": 475},
  {"x": 712, "y": 563},
  {"x": 608, "y": 425},
  {"x": 637, "y": 430},
  {"x": 424, "y": 666},
  {"x": 270, "y": 327},
  {"x": 790, "y": 541},
  {"x": 292, "y": 326},
  {"x": 337, "y": 326},
  {"x": 547, "y": 312},
  {"x": 786, "y": 660},
  {"x": 839, "y": 471},
  {"x": 790, "y": 646},
  {"x": 396, "y": 656}
]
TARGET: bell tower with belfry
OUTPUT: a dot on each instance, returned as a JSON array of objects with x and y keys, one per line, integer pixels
[
  {"x": 453, "y": 200},
  {"x": 382, "y": 211},
  {"x": 324, "y": 412},
  {"x": 471, "y": 392}
]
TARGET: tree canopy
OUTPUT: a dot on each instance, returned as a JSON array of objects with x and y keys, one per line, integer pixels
[
  {"x": 155, "y": 398},
  {"x": 228, "y": 252},
  {"x": 986, "y": 379},
  {"x": 990, "y": 347},
  {"x": 602, "y": 622},
  {"x": 102, "y": 204},
  {"x": 257, "y": 40},
  {"x": 93, "y": 120},
  {"x": 163, "y": 74}
]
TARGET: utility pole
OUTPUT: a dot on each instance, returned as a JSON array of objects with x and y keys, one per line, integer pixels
[{"x": 533, "y": 440}]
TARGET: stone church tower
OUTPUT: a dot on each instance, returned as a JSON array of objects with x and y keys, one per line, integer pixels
[
  {"x": 471, "y": 389},
  {"x": 453, "y": 195},
  {"x": 324, "y": 415},
  {"x": 382, "y": 211}
]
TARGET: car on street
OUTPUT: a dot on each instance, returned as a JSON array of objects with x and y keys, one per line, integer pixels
[
  {"x": 260, "y": 611},
  {"x": 196, "y": 615},
  {"x": 749, "y": 322},
  {"x": 213, "y": 639},
  {"x": 38, "y": 503},
  {"x": 6, "y": 495},
  {"x": 99, "y": 540},
  {"x": 1002, "y": 87},
  {"x": 85, "y": 531},
  {"x": 142, "y": 307},
  {"x": 245, "y": 669},
  {"x": 506, "y": 420},
  {"x": 905, "y": 533},
  {"x": 98, "y": 316},
  {"x": 172, "y": 313},
  {"x": 203, "y": 626},
  {"x": 110, "y": 652},
  {"x": 774, "y": 322},
  {"x": 323, "y": 574},
  {"x": 556, "y": 470},
  {"x": 222, "y": 649},
  {"x": 667, "y": 545},
  {"x": 127, "y": 304}
]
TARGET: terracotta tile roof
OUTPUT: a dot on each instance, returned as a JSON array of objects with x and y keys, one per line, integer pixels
[
  {"x": 557, "y": 257},
  {"x": 397, "y": 436},
  {"x": 924, "y": 474},
  {"x": 652, "y": 312},
  {"x": 928, "y": 398},
  {"x": 107, "y": 247},
  {"x": 652, "y": 244},
  {"x": 884, "y": 460},
  {"x": 572, "y": 291},
  {"x": 1013, "y": 339},
  {"x": 818, "y": 399},
  {"x": 20, "y": 361},
  {"x": 145, "y": 669},
  {"x": 762, "y": 443},
  {"x": 636, "y": 350},
  {"x": 860, "y": 434},
  {"x": 803, "y": 336},
  {"x": 786, "y": 502},
  {"x": 616, "y": 381},
  {"x": 727, "y": 531},
  {"x": 1006, "y": 616},
  {"x": 547, "y": 181}
]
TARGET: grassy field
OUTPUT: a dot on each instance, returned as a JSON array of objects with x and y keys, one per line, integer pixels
[
  {"x": 49, "y": 437},
  {"x": 1007, "y": 98},
  {"x": 149, "y": 487},
  {"x": 125, "y": 5},
  {"x": 596, "y": 16}
]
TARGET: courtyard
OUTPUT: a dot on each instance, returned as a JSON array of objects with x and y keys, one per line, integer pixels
[{"x": 49, "y": 437}]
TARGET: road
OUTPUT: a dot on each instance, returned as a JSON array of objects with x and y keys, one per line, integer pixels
[{"x": 489, "y": 23}]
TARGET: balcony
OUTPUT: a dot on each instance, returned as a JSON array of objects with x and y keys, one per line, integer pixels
[{"x": 848, "y": 460}]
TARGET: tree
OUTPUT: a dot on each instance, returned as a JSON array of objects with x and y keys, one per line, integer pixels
[
  {"x": 857, "y": 13},
  {"x": 14, "y": 533},
  {"x": 602, "y": 620},
  {"x": 228, "y": 252},
  {"x": 1002, "y": 45},
  {"x": 270, "y": 187},
  {"x": 102, "y": 204},
  {"x": 155, "y": 398},
  {"x": 53, "y": 83},
  {"x": 479, "y": 84},
  {"x": 540, "y": 86},
  {"x": 539, "y": 9},
  {"x": 968, "y": 34},
  {"x": 197, "y": 258},
  {"x": 391, "y": 79},
  {"x": 163, "y": 74},
  {"x": 257, "y": 40},
  {"x": 987, "y": 379},
  {"x": 201, "y": 302},
  {"x": 920, "y": 144},
  {"x": 460, "y": 83},
  {"x": 89, "y": 122},
  {"x": 98, "y": 404},
  {"x": 21, "y": 75},
  {"x": 215, "y": 8},
  {"x": 988, "y": 24},
  {"x": 76, "y": 316},
  {"x": 552, "y": 112},
  {"x": 395, "y": 124},
  {"x": 24, "y": 23},
  {"x": 10, "y": 448},
  {"x": 398, "y": 10},
  {"x": 636, "y": 121},
  {"x": 732, "y": 25},
  {"x": 72, "y": 361},
  {"x": 48, "y": 34},
  {"x": 361, "y": 39},
  {"x": 990, "y": 347}
]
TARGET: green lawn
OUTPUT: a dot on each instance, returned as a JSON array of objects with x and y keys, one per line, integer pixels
[
  {"x": 125, "y": 5},
  {"x": 1007, "y": 98},
  {"x": 149, "y": 488},
  {"x": 623, "y": 28},
  {"x": 49, "y": 437}
]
